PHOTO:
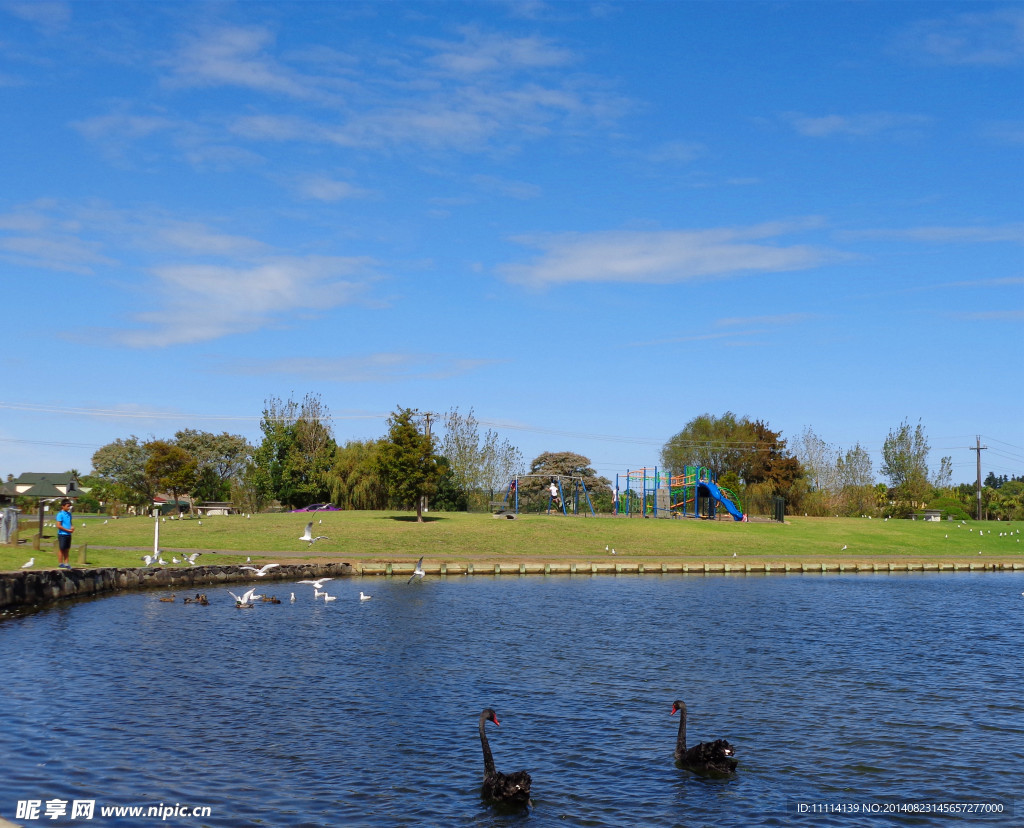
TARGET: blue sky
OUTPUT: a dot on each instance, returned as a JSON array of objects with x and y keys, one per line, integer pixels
[{"x": 588, "y": 222}]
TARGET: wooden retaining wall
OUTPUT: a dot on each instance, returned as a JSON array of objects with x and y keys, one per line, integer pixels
[
  {"x": 39, "y": 587},
  {"x": 675, "y": 567}
]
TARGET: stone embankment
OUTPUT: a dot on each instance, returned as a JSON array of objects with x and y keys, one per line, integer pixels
[{"x": 40, "y": 587}]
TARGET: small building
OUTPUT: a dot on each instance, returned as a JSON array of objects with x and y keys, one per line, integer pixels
[
  {"x": 46, "y": 485},
  {"x": 929, "y": 515}
]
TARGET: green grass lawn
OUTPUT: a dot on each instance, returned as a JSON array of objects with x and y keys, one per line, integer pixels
[{"x": 481, "y": 539}]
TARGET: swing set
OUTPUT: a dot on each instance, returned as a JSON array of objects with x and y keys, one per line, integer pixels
[{"x": 574, "y": 485}]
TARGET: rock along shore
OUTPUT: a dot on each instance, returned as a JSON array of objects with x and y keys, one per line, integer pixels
[{"x": 36, "y": 588}]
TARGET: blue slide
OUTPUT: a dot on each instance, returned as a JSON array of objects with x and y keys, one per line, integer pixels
[{"x": 721, "y": 497}]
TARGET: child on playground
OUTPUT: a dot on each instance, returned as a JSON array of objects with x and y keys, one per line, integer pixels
[{"x": 556, "y": 501}]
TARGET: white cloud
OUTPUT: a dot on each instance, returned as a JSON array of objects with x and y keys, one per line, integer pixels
[
  {"x": 322, "y": 188},
  {"x": 985, "y": 38},
  {"x": 777, "y": 320},
  {"x": 379, "y": 367},
  {"x": 237, "y": 56},
  {"x": 863, "y": 125},
  {"x": 199, "y": 302},
  {"x": 662, "y": 257},
  {"x": 481, "y": 52},
  {"x": 47, "y": 15},
  {"x": 1013, "y": 232}
]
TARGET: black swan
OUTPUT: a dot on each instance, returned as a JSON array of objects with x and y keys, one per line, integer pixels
[
  {"x": 509, "y": 788},
  {"x": 715, "y": 758}
]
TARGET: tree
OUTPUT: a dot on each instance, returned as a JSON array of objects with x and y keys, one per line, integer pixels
[
  {"x": 719, "y": 443},
  {"x": 478, "y": 464},
  {"x": 171, "y": 468},
  {"x": 221, "y": 459},
  {"x": 944, "y": 476},
  {"x": 121, "y": 466},
  {"x": 533, "y": 491},
  {"x": 356, "y": 481},
  {"x": 407, "y": 461},
  {"x": 768, "y": 461},
  {"x": 905, "y": 462},
  {"x": 855, "y": 475},
  {"x": 818, "y": 460},
  {"x": 292, "y": 463}
]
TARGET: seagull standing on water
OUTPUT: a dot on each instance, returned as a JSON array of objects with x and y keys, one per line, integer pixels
[
  {"x": 308, "y": 536},
  {"x": 364, "y": 597},
  {"x": 418, "y": 571}
]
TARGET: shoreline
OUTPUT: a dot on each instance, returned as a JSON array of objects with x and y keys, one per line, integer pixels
[{"x": 35, "y": 589}]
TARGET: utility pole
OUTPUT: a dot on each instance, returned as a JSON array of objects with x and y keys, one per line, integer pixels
[
  {"x": 426, "y": 416},
  {"x": 979, "y": 448}
]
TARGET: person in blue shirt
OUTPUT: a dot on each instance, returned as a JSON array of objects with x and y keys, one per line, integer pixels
[{"x": 64, "y": 530}]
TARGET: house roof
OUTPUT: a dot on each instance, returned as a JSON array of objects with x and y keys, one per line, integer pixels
[{"x": 41, "y": 484}]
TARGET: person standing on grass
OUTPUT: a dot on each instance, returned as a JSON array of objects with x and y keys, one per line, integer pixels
[{"x": 64, "y": 530}]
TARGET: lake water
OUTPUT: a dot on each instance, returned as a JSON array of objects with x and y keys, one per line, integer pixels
[{"x": 839, "y": 692}]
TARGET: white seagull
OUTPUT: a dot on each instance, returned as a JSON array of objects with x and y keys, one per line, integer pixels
[
  {"x": 308, "y": 536},
  {"x": 149, "y": 560},
  {"x": 318, "y": 583},
  {"x": 263, "y": 570},
  {"x": 29, "y": 563},
  {"x": 418, "y": 571},
  {"x": 244, "y": 601},
  {"x": 292, "y": 599},
  {"x": 330, "y": 597},
  {"x": 192, "y": 558},
  {"x": 363, "y": 596}
]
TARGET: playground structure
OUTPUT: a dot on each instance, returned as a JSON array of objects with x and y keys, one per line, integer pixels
[
  {"x": 694, "y": 493},
  {"x": 574, "y": 485}
]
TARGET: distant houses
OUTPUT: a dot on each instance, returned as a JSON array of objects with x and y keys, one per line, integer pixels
[{"x": 41, "y": 486}]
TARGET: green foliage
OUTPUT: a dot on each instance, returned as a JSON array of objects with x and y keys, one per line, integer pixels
[
  {"x": 356, "y": 481},
  {"x": 121, "y": 466},
  {"x": 905, "y": 456},
  {"x": 171, "y": 468},
  {"x": 756, "y": 454},
  {"x": 293, "y": 462},
  {"x": 410, "y": 469},
  {"x": 478, "y": 463},
  {"x": 450, "y": 496},
  {"x": 533, "y": 491},
  {"x": 950, "y": 506},
  {"x": 221, "y": 458},
  {"x": 719, "y": 443}
]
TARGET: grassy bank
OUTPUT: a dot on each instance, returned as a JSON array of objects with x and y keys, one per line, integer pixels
[{"x": 482, "y": 539}]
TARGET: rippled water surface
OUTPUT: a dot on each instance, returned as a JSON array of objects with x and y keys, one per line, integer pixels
[{"x": 838, "y": 690}]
